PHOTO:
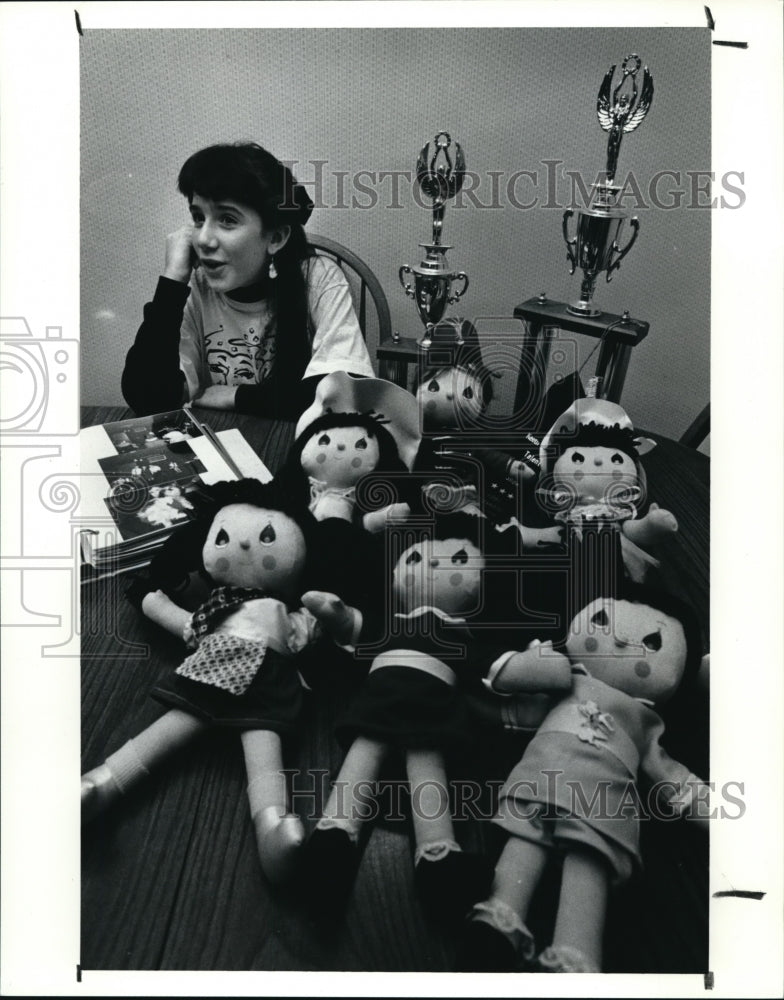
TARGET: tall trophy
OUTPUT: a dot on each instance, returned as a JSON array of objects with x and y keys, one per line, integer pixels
[
  {"x": 596, "y": 247},
  {"x": 432, "y": 290}
]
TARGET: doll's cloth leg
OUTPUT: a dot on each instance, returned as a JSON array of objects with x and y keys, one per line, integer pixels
[
  {"x": 579, "y": 928},
  {"x": 333, "y": 848},
  {"x": 448, "y": 879},
  {"x": 133, "y": 761},
  {"x": 495, "y": 937},
  {"x": 347, "y": 803},
  {"x": 279, "y": 833}
]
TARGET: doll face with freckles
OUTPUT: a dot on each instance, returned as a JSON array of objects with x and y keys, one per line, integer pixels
[
  {"x": 632, "y": 647},
  {"x": 444, "y": 574},
  {"x": 447, "y": 393},
  {"x": 595, "y": 474},
  {"x": 250, "y": 546},
  {"x": 340, "y": 456}
]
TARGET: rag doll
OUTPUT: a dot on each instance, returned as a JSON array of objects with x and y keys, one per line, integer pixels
[
  {"x": 255, "y": 546},
  {"x": 453, "y": 392},
  {"x": 458, "y": 455},
  {"x": 592, "y": 478},
  {"x": 330, "y": 458},
  {"x": 574, "y": 788},
  {"x": 411, "y": 702},
  {"x": 349, "y": 462},
  {"x": 356, "y": 427}
]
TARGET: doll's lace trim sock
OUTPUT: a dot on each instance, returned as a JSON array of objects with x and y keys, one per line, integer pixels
[
  {"x": 349, "y": 827},
  {"x": 435, "y": 851},
  {"x": 565, "y": 958},
  {"x": 498, "y": 915},
  {"x": 332, "y": 856},
  {"x": 449, "y": 880},
  {"x": 109, "y": 781},
  {"x": 493, "y": 939}
]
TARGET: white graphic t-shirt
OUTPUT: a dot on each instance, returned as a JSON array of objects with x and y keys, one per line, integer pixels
[{"x": 223, "y": 342}]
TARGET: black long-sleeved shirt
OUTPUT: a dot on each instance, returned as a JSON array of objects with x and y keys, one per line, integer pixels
[{"x": 152, "y": 381}]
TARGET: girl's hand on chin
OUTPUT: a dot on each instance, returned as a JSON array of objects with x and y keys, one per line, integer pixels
[
  {"x": 217, "y": 397},
  {"x": 180, "y": 256}
]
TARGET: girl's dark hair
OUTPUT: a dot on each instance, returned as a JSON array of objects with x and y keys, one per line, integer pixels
[
  {"x": 292, "y": 477},
  {"x": 247, "y": 173}
]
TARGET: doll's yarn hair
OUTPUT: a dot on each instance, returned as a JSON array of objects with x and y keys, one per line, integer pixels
[
  {"x": 292, "y": 477},
  {"x": 686, "y": 714},
  {"x": 459, "y": 524},
  {"x": 674, "y": 607},
  {"x": 181, "y": 553},
  {"x": 592, "y": 435},
  {"x": 469, "y": 362}
]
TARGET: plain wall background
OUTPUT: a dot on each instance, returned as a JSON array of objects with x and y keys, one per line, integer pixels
[{"x": 368, "y": 99}]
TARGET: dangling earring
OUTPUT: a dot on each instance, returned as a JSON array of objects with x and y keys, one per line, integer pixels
[{"x": 273, "y": 271}]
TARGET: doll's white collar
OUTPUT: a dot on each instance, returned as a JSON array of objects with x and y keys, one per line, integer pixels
[{"x": 429, "y": 609}]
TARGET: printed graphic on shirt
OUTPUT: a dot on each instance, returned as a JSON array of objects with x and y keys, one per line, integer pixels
[{"x": 241, "y": 360}]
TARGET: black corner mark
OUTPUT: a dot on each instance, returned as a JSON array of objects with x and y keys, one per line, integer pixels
[
  {"x": 712, "y": 25},
  {"x": 78, "y": 24},
  {"x": 739, "y": 893},
  {"x": 708, "y": 980},
  {"x": 78, "y": 973}
]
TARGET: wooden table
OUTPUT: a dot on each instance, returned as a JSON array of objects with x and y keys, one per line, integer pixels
[{"x": 171, "y": 878}]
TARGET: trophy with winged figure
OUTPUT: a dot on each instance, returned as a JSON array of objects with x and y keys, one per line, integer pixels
[
  {"x": 440, "y": 177},
  {"x": 595, "y": 247}
]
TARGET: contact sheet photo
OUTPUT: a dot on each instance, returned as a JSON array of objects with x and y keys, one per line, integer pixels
[{"x": 377, "y": 454}]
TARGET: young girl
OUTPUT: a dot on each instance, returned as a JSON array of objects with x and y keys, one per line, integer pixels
[{"x": 245, "y": 315}]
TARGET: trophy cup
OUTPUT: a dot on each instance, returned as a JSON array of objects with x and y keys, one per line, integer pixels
[
  {"x": 596, "y": 246},
  {"x": 432, "y": 289}
]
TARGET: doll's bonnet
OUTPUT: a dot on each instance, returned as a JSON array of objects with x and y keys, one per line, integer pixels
[
  {"x": 594, "y": 413},
  {"x": 388, "y": 403}
]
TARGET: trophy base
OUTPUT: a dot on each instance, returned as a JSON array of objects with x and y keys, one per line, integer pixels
[
  {"x": 583, "y": 309},
  {"x": 426, "y": 340}
]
